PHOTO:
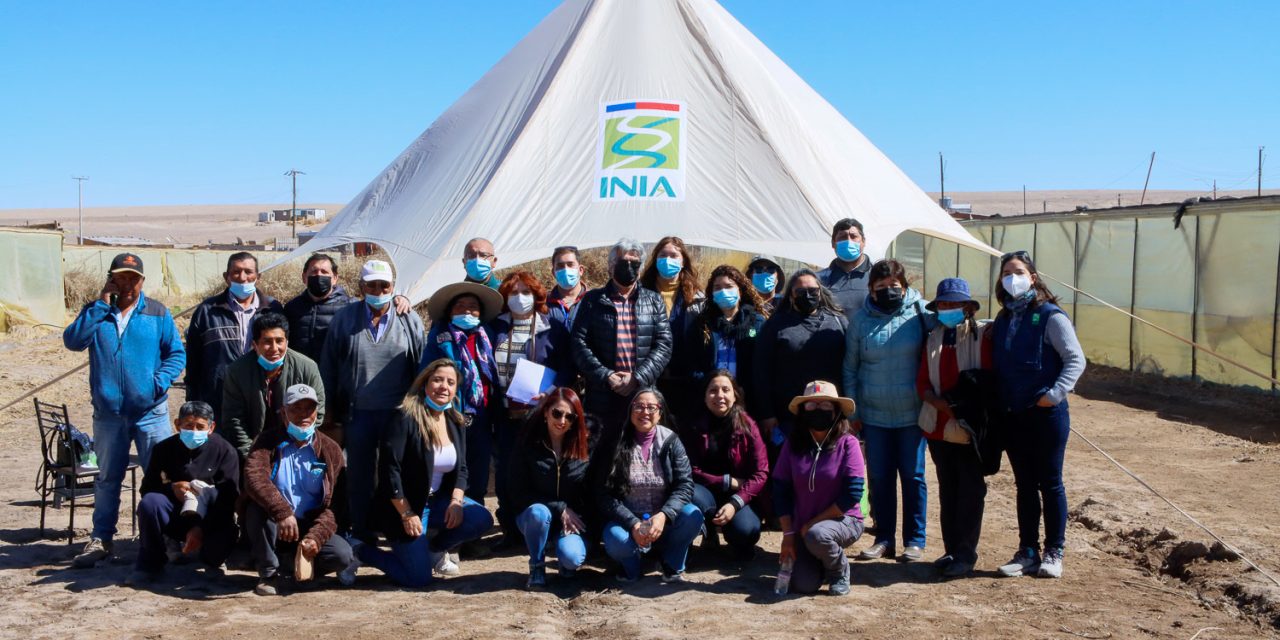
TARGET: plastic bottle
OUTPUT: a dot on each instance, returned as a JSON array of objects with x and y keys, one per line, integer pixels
[
  {"x": 644, "y": 528},
  {"x": 783, "y": 583}
]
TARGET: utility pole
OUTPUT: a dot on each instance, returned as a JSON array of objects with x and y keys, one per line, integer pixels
[
  {"x": 1260, "y": 171},
  {"x": 1118, "y": 201},
  {"x": 942, "y": 178},
  {"x": 1143, "y": 199},
  {"x": 1024, "y": 199},
  {"x": 80, "y": 203},
  {"x": 293, "y": 213},
  {"x": 1044, "y": 206},
  {"x": 1215, "y": 189}
]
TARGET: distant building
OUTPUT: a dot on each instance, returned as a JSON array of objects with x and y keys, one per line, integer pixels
[{"x": 282, "y": 215}]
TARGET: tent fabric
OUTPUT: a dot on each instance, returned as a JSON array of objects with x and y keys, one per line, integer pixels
[{"x": 642, "y": 119}]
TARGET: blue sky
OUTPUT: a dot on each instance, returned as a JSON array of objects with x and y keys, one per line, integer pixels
[{"x": 168, "y": 103}]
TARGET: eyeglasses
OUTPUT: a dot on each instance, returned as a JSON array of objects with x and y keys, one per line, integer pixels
[
  {"x": 561, "y": 414},
  {"x": 646, "y": 408},
  {"x": 1020, "y": 254},
  {"x": 478, "y": 254}
]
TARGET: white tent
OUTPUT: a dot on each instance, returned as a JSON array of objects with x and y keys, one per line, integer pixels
[{"x": 644, "y": 119}]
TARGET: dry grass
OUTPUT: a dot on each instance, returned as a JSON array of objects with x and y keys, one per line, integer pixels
[{"x": 79, "y": 288}]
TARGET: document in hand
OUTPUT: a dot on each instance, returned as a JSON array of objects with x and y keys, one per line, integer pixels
[{"x": 529, "y": 380}]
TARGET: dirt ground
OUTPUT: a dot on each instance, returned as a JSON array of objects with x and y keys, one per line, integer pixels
[{"x": 1134, "y": 567}]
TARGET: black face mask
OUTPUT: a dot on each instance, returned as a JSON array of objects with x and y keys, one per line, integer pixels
[
  {"x": 319, "y": 286},
  {"x": 806, "y": 300},
  {"x": 626, "y": 272},
  {"x": 889, "y": 299},
  {"x": 816, "y": 420}
]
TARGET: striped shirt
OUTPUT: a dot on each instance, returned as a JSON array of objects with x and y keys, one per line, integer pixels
[
  {"x": 512, "y": 350},
  {"x": 626, "y": 351}
]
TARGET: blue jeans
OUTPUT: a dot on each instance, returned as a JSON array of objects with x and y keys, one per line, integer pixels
[
  {"x": 157, "y": 521},
  {"x": 742, "y": 532},
  {"x": 111, "y": 438},
  {"x": 409, "y": 563},
  {"x": 361, "y": 437},
  {"x": 535, "y": 523},
  {"x": 673, "y": 544},
  {"x": 894, "y": 454},
  {"x": 1036, "y": 440},
  {"x": 479, "y": 453}
]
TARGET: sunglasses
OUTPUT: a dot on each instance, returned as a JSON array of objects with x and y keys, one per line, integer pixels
[
  {"x": 1021, "y": 255},
  {"x": 561, "y": 414}
]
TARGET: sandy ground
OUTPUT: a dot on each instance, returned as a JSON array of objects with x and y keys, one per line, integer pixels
[{"x": 1134, "y": 569}]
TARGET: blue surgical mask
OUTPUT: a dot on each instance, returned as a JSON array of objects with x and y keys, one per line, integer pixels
[
  {"x": 300, "y": 434},
  {"x": 193, "y": 439},
  {"x": 951, "y": 318},
  {"x": 432, "y": 404},
  {"x": 726, "y": 298},
  {"x": 268, "y": 365},
  {"x": 242, "y": 290},
  {"x": 378, "y": 302},
  {"x": 568, "y": 278},
  {"x": 669, "y": 267},
  {"x": 465, "y": 321},
  {"x": 848, "y": 250},
  {"x": 479, "y": 269},
  {"x": 765, "y": 282}
]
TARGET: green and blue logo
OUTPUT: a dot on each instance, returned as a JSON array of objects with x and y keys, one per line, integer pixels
[{"x": 641, "y": 151}]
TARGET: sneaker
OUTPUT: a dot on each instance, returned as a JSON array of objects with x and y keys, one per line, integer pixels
[
  {"x": 957, "y": 569},
  {"x": 94, "y": 550},
  {"x": 911, "y": 554},
  {"x": 1051, "y": 565},
  {"x": 140, "y": 577},
  {"x": 445, "y": 567},
  {"x": 1025, "y": 562},
  {"x": 268, "y": 586},
  {"x": 347, "y": 576},
  {"x": 943, "y": 562},
  {"x": 622, "y": 577},
  {"x": 537, "y": 576},
  {"x": 877, "y": 551},
  {"x": 670, "y": 576},
  {"x": 455, "y": 558},
  {"x": 840, "y": 584}
]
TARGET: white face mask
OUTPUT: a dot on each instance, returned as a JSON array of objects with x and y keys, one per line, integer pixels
[
  {"x": 1016, "y": 284},
  {"x": 520, "y": 303}
]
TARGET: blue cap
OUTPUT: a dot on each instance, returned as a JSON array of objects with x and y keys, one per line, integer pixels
[{"x": 953, "y": 290}]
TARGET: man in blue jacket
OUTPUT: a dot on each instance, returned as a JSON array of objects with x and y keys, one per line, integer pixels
[{"x": 135, "y": 353}]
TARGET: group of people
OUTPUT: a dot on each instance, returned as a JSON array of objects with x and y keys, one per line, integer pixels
[{"x": 338, "y": 432}]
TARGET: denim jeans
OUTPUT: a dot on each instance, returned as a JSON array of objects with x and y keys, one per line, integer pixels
[
  {"x": 361, "y": 437},
  {"x": 673, "y": 544},
  {"x": 111, "y": 438},
  {"x": 535, "y": 523},
  {"x": 409, "y": 562},
  {"x": 894, "y": 454},
  {"x": 156, "y": 522},
  {"x": 1036, "y": 440},
  {"x": 742, "y": 532}
]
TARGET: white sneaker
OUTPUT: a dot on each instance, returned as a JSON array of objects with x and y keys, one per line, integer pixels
[
  {"x": 1025, "y": 562},
  {"x": 1051, "y": 565},
  {"x": 445, "y": 567}
]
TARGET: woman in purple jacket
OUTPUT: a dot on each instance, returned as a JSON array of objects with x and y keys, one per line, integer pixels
[
  {"x": 817, "y": 487},
  {"x": 730, "y": 466}
]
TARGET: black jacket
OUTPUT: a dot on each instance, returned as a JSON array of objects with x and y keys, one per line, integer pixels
[
  {"x": 535, "y": 476},
  {"x": 743, "y": 329},
  {"x": 309, "y": 320},
  {"x": 216, "y": 462},
  {"x": 676, "y": 470},
  {"x": 595, "y": 337},
  {"x": 405, "y": 464},
  {"x": 213, "y": 342},
  {"x": 792, "y": 351}
]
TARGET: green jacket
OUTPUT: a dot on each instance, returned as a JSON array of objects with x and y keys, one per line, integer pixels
[{"x": 244, "y": 409}]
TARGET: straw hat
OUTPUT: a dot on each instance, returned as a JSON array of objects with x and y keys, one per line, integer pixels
[
  {"x": 821, "y": 390},
  {"x": 490, "y": 300}
]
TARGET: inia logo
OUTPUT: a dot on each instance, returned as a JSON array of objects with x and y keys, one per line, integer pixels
[{"x": 641, "y": 151}]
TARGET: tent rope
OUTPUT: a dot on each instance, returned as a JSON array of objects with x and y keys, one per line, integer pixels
[{"x": 1230, "y": 547}]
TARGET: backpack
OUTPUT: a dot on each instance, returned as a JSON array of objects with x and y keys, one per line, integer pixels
[{"x": 76, "y": 449}]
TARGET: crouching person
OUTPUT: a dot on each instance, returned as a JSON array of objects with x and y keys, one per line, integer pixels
[
  {"x": 291, "y": 476},
  {"x": 188, "y": 494}
]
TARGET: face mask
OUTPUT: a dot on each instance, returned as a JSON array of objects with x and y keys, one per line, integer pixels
[
  {"x": 520, "y": 303},
  {"x": 1016, "y": 284},
  {"x": 765, "y": 282},
  {"x": 319, "y": 286},
  {"x": 669, "y": 267},
  {"x": 300, "y": 434},
  {"x": 242, "y": 290},
  {"x": 268, "y": 365},
  {"x": 432, "y": 404},
  {"x": 817, "y": 420},
  {"x": 465, "y": 321},
  {"x": 726, "y": 298},
  {"x": 951, "y": 318},
  {"x": 479, "y": 269},
  {"x": 848, "y": 250},
  {"x": 378, "y": 302},
  {"x": 626, "y": 272},
  {"x": 889, "y": 299},
  {"x": 567, "y": 278},
  {"x": 193, "y": 439},
  {"x": 806, "y": 300}
]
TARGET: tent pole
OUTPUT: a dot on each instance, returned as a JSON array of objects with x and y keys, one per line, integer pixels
[
  {"x": 1075, "y": 275},
  {"x": 1275, "y": 325},
  {"x": 1133, "y": 303},
  {"x": 1195, "y": 300}
]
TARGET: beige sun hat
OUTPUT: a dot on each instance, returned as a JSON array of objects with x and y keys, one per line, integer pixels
[
  {"x": 490, "y": 300},
  {"x": 821, "y": 390}
]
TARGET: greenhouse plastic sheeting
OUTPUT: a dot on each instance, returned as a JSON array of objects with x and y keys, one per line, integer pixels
[
  {"x": 171, "y": 273},
  {"x": 31, "y": 292},
  {"x": 1164, "y": 294},
  {"x": 1238, "y": 253}
]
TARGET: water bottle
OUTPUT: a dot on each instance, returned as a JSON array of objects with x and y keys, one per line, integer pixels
[
  {"x": 644, "y": 528},
  {"x": 783, "y": 583}
]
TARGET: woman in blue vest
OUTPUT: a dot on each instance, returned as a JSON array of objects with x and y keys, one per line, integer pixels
[{"x": 1037, "y": 361}]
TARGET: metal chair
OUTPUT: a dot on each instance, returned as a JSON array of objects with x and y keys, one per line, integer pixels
[{"x": 60, "y": 480}]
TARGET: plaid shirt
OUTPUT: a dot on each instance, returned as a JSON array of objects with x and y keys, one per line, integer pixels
[{"x": 626, "y": 306}]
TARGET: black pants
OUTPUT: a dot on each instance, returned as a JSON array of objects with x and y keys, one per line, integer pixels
[
  {"x": 261, "y": 530},
  {"x": 962, "y": 493},
  {"x": 742, "y": 532}
]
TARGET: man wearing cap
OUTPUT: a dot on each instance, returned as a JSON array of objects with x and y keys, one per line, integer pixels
[
  {"x": 310, "y": 312},
  {"x": 846, "y": 276},
  {"x": 370, "y": 358},
  {"x": 480, "y": 262},
  {"x": 221, "y": 329},
  {"x": 769, "y": 281},
  {"x": 254, "y": 386},
  {"x": 291, "y": 478},
  {"x": 135, "y": 353}
]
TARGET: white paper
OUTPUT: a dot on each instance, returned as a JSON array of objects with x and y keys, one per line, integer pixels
[{"x": 529, "y": 380}]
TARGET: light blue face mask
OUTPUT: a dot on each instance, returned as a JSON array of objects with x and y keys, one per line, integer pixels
[
  {"x": 193, "y": 439},
  {"x": 951, "y": 318},
  {"x": 432, "y": 404},
  {"x": 242, "y": 290},
  {"x": 726, "y": 298},
  {"x": 378, "y": 302},
  {"x": 465, "y": 321},
  {"x": 669, "y": 267},
  {"x": 848, "y": 250},
  {"x": 268, "y": 365},
  {"x": 300, "y": 434},
  {"x": 567, "y": 278},
  {"x": 765, "y": 282},
  {"x": 479, "y": 269}
]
